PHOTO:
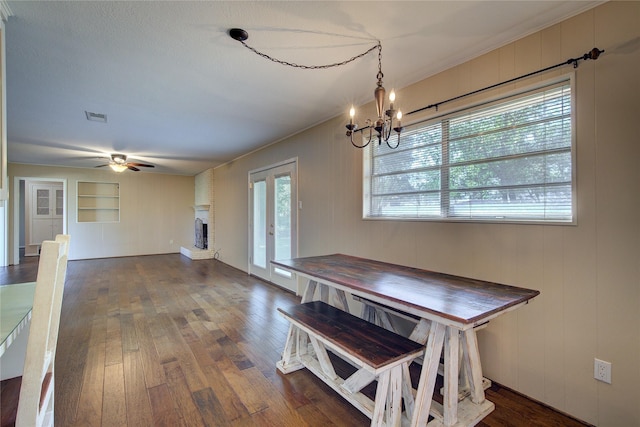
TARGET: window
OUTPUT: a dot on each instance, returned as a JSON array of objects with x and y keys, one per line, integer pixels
[{"x": 507, "y": 160}]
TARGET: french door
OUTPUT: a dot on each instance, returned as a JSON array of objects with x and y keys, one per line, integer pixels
[{"x": 273, "y": 222}]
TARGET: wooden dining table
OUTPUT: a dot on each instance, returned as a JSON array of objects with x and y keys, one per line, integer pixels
[{"x": 445, "y": 308}]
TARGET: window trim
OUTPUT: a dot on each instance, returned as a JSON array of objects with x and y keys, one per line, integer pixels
[{"x": 367, "y": 158}]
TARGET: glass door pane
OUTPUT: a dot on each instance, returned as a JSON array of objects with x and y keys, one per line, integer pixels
[
  {"x": 59, "y": 202},
  {"x": 260, "y": 223},
  {"x": 282, "y": 201},
  {"x": 42, "y": 202}
]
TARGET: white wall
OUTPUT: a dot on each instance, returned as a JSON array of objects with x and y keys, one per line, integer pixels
[
  {"x": 588, "y": 274},
  {"x": 155, "y": 209}
]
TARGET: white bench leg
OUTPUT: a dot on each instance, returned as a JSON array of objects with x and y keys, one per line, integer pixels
[
  {"x": 394, "y": 397},
  {"x": 407, "y": 391},
  {"x": 295, "y": 343},
  {"x": 323, "y": 358},
  {"x": 378, "y": 418},
  {"x": 289, "y": 361}
]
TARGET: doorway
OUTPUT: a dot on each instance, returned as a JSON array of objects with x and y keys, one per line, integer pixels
[
  {"x": 273, "y": 222},
  {"x": 39, "y": 214}
]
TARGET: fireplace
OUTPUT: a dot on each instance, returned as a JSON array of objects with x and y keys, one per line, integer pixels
[
  {"x": 200, "y": 248},
  {"x": 201, "y": 235}
]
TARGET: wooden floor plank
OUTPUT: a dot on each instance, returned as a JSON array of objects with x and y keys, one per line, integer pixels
[
  {"x": 231, "y": 404},
  {"x": 153, "y": 372},
  {"x": 191, "y": 343},
  {"x": 113, "y": 351},
  {"x": 128, "y": 332},
  {"x": 240, "y": 381},
  {"x": 114, "y": 406},
  {"x": 182, "y": 395},
  {"x": 165, "y": 414},
  {"x": 210, "y": 408},
  {"x": 90, "y": 404},
  {"x": 138, "y": 403}
]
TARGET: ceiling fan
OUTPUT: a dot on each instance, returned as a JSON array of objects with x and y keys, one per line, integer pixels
[{"x": 119, "y": 163}]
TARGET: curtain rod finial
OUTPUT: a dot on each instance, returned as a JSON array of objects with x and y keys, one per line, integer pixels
[{"x": 593, "y": 54}]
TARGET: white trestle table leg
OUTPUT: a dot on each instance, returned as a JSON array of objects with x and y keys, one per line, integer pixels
[
  {"x": 428, "y": 374},
  {"x": 473, "y": 365},
  {"x": 451, "y": 371}
]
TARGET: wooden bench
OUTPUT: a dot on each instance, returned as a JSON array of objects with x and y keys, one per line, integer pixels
[{"x": 378, "y": 353}]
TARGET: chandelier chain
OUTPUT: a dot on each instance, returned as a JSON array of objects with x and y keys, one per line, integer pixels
[
  {"x": 317, "y": 67},
  {"x": 379, "y": 76}
]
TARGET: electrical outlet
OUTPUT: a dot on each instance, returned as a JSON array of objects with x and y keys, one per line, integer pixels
[{"x": 602, "y": 371}]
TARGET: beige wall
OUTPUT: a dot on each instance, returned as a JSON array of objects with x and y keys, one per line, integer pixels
[
  {"x": 155, "y": 209},
  {"x": 588, "y": 274}
]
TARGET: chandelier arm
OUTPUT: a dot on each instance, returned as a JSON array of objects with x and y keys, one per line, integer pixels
[
  {"x": 397, "y": 143},
  {"x": 368, "y": 139},
  {"x": 311, "y": 67}
]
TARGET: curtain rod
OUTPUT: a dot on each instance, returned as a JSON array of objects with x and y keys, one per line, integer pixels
[{"x": 592, "y": 54}]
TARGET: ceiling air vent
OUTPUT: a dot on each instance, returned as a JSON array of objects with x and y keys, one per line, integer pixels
[{"x": 96, "y": 117}]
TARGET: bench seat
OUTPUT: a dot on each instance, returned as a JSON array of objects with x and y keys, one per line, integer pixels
[{"x": 379, "y": 354}]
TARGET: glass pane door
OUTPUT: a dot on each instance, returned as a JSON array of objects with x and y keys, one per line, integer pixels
[{"x": 273, "y": 214}]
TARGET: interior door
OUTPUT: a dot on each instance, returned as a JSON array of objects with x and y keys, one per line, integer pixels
[
  {"x": 273, "y": 222},
  {"x": 47, "y": 207}
]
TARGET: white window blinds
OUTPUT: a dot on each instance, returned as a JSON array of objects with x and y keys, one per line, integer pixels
[{"x": 510, "y": 160}]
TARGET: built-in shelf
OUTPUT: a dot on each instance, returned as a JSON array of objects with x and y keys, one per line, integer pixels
[{"x": 98, "y": 201}]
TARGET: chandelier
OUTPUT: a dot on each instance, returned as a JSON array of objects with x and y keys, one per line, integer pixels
[
  {"x": 388, "y": 121},
  {"x": 384, "y": 124}
]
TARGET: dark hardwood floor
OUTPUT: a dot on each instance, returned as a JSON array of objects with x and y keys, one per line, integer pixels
[{"x": 167, "y": 341}]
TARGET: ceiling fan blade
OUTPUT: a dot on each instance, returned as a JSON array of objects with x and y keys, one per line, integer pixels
[
  {"x": 133, "y": 168},
  {"x": 100, "y": 166},
  {"x": 140, "y": 165}
]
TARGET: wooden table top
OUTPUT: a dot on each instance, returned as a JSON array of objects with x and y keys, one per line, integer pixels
[{"x": 459, "y": 299}]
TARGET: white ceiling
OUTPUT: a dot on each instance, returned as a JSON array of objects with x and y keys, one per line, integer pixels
[{"x": 178, "y": 92}]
